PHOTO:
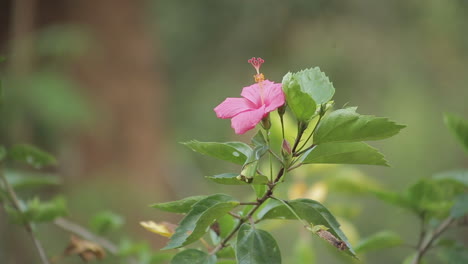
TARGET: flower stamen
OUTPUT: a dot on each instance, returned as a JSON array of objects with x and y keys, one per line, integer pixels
[{"x": 257, "y": 63}]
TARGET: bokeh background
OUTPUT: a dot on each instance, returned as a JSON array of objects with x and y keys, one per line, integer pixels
[{"x": 110, "y": 87}]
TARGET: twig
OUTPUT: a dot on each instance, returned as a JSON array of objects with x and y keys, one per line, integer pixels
[
  {"x": 84, "y": 233},
  {"x": 300, "y": 131},
  {"x": 427, "y": 243},
  {"x": 260, "y": 201},
  {"x": 235, "y": 215},
  {"x": 27, "y": 225}
]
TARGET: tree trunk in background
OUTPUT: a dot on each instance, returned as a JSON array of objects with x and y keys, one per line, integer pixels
[
  {"x": 126, "y": 86},
  {"x": 122, "y": 78}
]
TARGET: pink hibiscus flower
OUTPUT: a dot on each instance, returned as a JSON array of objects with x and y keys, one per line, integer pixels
[{"x": 257, "y": 101}]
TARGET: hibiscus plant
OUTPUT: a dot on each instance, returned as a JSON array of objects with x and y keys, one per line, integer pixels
[{"x": 320, "y": 135}]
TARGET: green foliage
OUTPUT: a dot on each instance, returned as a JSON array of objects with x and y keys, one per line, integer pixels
[
  {"x": 453, "y": 253},
  {"x": 236, "y": 179},
  {"x": 305, "y": 90},
  {"x": 105, "y": 222},
  {"x": 142, "y": 252},
  {"x": 312, "y": 212},
  {"x": 378, "y": 241},
  {"x": 235, "y": 152},
  {"x": 199, "y": 218},
  {"x": 54, "y": 100},
  {"x": 37, "y": 211},
  {"x": 181, "y": 206},
  {"x": 460, "y": 208},
  {"x": 301, "y": 104},
  {"x": 392, "y": 198},
  {"x": 336, "y": 139},
  {"x": 193, "y": 256},
  {"x": 225, "y": 224},
  {"x": 345, "y": 125},
  {"x": 259, "y": 139},
  {"x": 344, "y": 153},
  {"x": 432, "y": 197},
  {"x": 459, "y": 128},
  {"x": 256, "y": 246},
  {"x": 31, "y": 155},
  {"x": 457, "y": 176},
  {"x": 25, "y": 180},
  {"x": 260, "y": 190}
]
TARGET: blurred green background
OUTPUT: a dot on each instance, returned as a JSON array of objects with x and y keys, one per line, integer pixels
[{"x": 111, "y": 87}]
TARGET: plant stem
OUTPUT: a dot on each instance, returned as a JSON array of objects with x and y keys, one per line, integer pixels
[
  {"x": 260, "y": 201},
  {"x": 297, "y": 154},
  {"x": 282, "y": 126},
  {"x": 267, "y": 131},
  {"x": 310, "y": 136},
  {"x": 426, "y": 244},
  {"x": 300, "y": 131},
  {"x": 14, "y": 199}
]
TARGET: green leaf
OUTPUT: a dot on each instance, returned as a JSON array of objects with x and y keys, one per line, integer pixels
[
  {"x": 23, "y": 180},
  {"x": 345, "y": 125},
  {"x": 37, "y": 211},
  {"x": 460, "y": 208},
  {"x": 315, "y": 83},
  {"x": 31, "y": 156},
  {"x": 305, "y": 90},
  {"x": 392, "y": 198},
  {"x": 227, "y": 252},
  {"x": 310, "y": 211},
  {"x": 226, "y": 261},
  {"x": 301, "y": 104},
  {"x": 3, "y": 152},
  {"x": 458, "y": 176},
  {"x": 256, "y": 246},
  {"x": 105, "y": 222},
  {"x": 380, "y": 240},
  {"x": 193, "y": 256},
  {"x": 235, "y": 152},
  {"x": 459, "y": 128},
  {"x": 195, "y": 224},
  {"x": 260, "y": 190},
  {"x": 181, "y": 206},
  {"x": 433, "y": 196},
  {"x": 345, "y": 153},
  {"x": 226, "y": 224},
  {"x": 259, "y": 139},
  {"x": 234, "y": 179}
]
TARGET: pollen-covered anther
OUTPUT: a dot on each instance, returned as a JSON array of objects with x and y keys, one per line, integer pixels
[{"x": 259, "y": 77}]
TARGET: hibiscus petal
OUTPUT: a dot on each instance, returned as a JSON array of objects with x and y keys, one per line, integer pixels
[
  {"x": 247, "y": 120},
  {"x": 252, "y": 93},
  {"x": 232, "y": 106},
  {"x": 273, "y": 95}
]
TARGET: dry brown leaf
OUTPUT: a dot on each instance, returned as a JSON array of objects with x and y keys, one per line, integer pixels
[{"x": 87, "y": 250}]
